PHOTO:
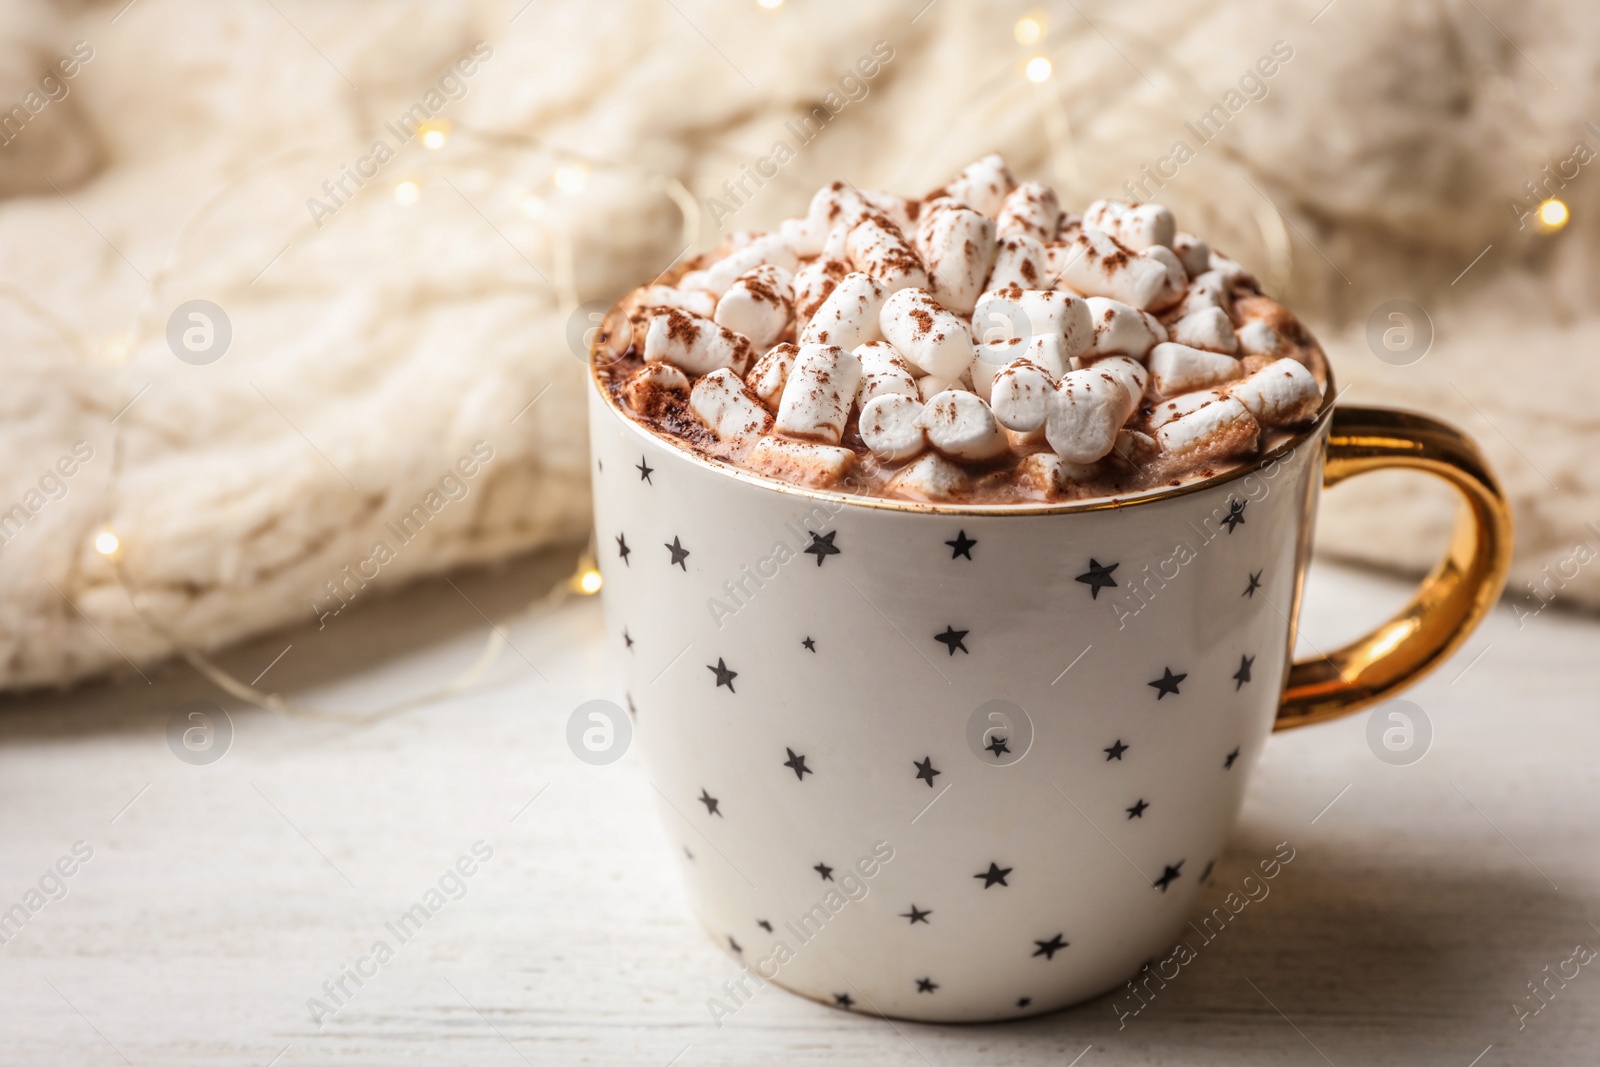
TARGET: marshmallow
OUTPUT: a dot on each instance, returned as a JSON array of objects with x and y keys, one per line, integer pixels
[
  {"x": 644, "y": 387},
  {"x": 1179, "y": 406},
  {"x": 931, "y": 385},
  {"x": 817, "y": 397},
  {"x": 722, "y": 403},
  {"x": 1280, "y": 393},
  {"x": 960, "y": 425},
  {"x": 696, "y": 345},
  {"x": 875, "y": 246},
  {"x": 813, "y": 283},
  {"x": 1123, "y": 329},
  {"x": 1230, "y": 270},
  {"x": 1136, "y": 226},
  {"x": 1096, "y": 265},
  {"x": 849, "y": 316},
  {"x": 718, "y": 276},
  {"x": 835, "y": 204},
  {"x": 1130, "y": 373},
  {"x": 695, "y": 301},
  {"x": 758, "y": 304},
  {"x": 1030, "y": 210},
  {"x": 1193, "y": 252},
  {"x": 804, "y": 462},
  {"x": 1022, "y": 313},
  {"x": 1021, "y": 261},
  {"x": 932, "y": 339},
  {"x": 890, "y": 426},
  {"x": 1216, "y": 430},
  {"x": 957, "y": 246},
  {"x": 1208, "y": 328},
  {"x": 1177, "y": 277},
  {"x": 767, "y": 377},
  {"x": 803, "y": 237},
  {"x": 837, "y": 244},
  {"x": 1047, "y": 351},
  {"x": 1044, "y": 474},
  {"x": 1176, "y": 368},
  {"x": 883, "y": 372},
  {"x": 1256, "y": 338},
  {"x": 929, "y": 477},
  {"x": 1208, "y": 290},
  {"x": 1134, "y": 448},
  {"x": 1084, "y": 413},
  {"x": 901, "y": 212},
  {"x": 1018, "y": 395},
  {"x": 982, "y": 185}
]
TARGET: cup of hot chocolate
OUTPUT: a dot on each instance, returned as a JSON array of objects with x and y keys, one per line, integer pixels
[{"x": 952, "y": 550}]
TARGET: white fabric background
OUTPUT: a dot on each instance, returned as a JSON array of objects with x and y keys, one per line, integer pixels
[{"x": 371, "y": 354}]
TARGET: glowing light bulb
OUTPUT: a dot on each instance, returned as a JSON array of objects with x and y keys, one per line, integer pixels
[
  {"x": 106, "y": 543},
  {"x": 115, "y": 352},
  {"x": 434, "y": 133},
  {"x": 407, "y": 193},
  {"x": 1038, "y": 69},
  {"x": 570, "y": 178},
  {"x": 1553, "y": 214},
  {"x": 589, "y": 582},
  {"x": 770, "y": 5},
  {"x": 532, "y": 206},
  {"x": 1028, "y": 30}
]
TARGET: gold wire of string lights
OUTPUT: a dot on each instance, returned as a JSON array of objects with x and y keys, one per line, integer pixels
[{"x": 569, "y": 176}]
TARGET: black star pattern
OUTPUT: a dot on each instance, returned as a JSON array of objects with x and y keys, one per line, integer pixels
[
  {"x": 627, "y": 640},
  {"x": 810, "y": 645},
  {"x": 1098, "y": 578},
  {"x": 997, "y": 745},
  {"x": 824, "y": 870},
  {"x": 962, "y": 546},
  {"x": 1207, "y": 872},
  {"x": 679, "y": 553},
  {"x": 1168, "y": 876},
  {"x": 600, "y": 465},
  {"x": 925, "y": 770},
  {"x": 1048, "y": 949},
  {"x": 1167, "y": 683},
  {"x": 623, "y": 549},
  {"x": 1023, "y": 1002},
  {"x": 711, "y": 803},
  {"x": 797, "y": 764},
  {"x": 764, "y": 925},
  {"x": 687, "y": 853},
  {"x": 645, "y": 470},
  {"x": 822, "y": 546},
  {"x": 996, "y": 874},
  {"x": 1227, "y": 764},
  {"x": 734, "y": 944},
  {"x": 844, "y": 1000},
  {"x": 1116, "y": 750},
  {"x": 1255, "y": 583},
  {"x": 952, "y": 638},
  {"x": 1242, "y": 675},
  {"x": 1137, "y": 811},
  {"x": 926, "y": 985},
  {"x": 1235, "y": 515},
  {"x": 724, "y": 675},
  {"x": 917, "y": 916},
  {"x": 631, "y": 709}
]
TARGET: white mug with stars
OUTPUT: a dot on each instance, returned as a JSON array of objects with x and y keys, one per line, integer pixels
[{"x": 965, "y": 763}]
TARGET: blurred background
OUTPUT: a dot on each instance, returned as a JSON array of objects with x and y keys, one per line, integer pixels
[{"x": 399, "y": 219}]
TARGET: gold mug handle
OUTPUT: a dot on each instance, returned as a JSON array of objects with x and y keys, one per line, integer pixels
[{"x": 1451, "y": 600}]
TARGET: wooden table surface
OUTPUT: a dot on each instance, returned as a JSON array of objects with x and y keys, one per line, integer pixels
[{"x": 217, "y": 900}]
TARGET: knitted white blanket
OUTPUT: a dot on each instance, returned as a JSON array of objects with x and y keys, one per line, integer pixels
[{"x": 398, "y": 393}]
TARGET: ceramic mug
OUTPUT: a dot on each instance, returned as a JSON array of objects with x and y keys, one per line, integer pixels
[{"x": 964, "y": 763}]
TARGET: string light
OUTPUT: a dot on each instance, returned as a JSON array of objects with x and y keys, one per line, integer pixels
[
  {"x": 770, "y": 5},
  {"x": 407, "y": 193},
  {"x": 106, "y": 543},
  {"x": 588, "y": 581},
  {"x": 1553, "y": 214},
  {"x": 532, "y": 205},
  {"x": 570, "y": 178},
  {"x": 115, "y": 351},
  {"x": 1038, "y": 69},
  {"x": 1028, "y": 30},
  {"x": 434, "y": 133}
]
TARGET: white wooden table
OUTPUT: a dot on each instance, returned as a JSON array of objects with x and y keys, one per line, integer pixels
[{"x": 220, "y": 898}]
